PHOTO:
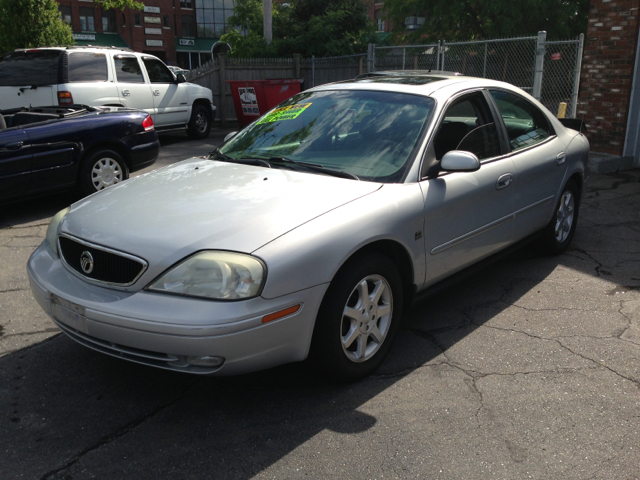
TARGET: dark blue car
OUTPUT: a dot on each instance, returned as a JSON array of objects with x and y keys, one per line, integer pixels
[{"x": 45, "y": 149}]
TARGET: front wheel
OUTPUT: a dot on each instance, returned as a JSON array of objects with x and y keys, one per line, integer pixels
[
  {"x": 101, "y": 170},
  {"x": 358, "y": 319},
  {"x": 200, "y": 123},
  {"x": 557, "y": 236}
]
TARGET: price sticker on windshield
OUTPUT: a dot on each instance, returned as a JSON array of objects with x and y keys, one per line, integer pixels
[{"x": 285, "y": 113}]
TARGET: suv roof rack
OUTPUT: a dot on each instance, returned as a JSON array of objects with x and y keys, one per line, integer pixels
[{"x": 72, "y": 47}]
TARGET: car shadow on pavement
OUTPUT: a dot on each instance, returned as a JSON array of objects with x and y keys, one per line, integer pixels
[{"x": 70, "y": 410}]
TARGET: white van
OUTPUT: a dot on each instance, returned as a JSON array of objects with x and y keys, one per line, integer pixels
[{"x": 105, "y": 76}]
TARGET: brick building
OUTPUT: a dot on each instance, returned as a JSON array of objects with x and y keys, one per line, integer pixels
[
  {"x": 609, "y": 98},
  {"x": 180, "y": 32}
]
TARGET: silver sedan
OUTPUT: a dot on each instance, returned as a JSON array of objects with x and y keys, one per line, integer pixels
[{"x": 307, "y": 234}]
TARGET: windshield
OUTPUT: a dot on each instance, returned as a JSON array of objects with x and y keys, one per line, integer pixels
[{"x": 368, "y": 134}]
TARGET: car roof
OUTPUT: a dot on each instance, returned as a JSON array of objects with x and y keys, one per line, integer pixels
[{"x": 75, "y": 47}]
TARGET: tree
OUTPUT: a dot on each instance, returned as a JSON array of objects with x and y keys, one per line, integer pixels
[
  {"x": 486, "y": 19},
  {"x": 308, "y": 27},
  {"x": 35, "y": 23}
]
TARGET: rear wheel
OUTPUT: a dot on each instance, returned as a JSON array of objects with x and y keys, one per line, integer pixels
[
  {"x": 358, "y": 318},
  {"x": 101, "y": 170},
  {"x": 557, "y": 235},
  {"x": 200, "y": 123}
]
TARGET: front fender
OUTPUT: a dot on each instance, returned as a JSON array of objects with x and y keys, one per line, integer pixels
[{"x": 312, "y": 253}]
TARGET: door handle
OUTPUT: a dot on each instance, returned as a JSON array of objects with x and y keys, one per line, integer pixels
[
  {"x": 156, "y": 93},
  {"x": 14, "y": 146},
  {"x": 504, "y": 181},
  {"x": 561, "y": 158},
  {"x": 125, "y": 93}
]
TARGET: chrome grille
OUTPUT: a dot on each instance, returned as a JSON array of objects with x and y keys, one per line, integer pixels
[{"x": 108, "y": 266}]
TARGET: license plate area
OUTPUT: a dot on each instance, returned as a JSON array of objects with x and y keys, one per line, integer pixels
[{"x": 69, "y": 313}]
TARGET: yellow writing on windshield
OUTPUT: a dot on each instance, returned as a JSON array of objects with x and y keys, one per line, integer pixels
[{"x": 285, "y": 113}]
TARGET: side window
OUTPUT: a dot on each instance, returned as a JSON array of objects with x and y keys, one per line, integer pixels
[
  {"x": 469, "y": 126},
  {"x": 158, "y": 71},
  {"x": 526, "y": 124},
  {"x": 128, "y": 69},
  {"x": 87, "y": 67}
]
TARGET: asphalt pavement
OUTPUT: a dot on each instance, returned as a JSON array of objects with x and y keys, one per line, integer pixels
[{"x": 528, "y": 369}]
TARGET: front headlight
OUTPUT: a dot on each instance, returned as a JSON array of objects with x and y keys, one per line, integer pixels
[
  {"x": 52, "y": 230},
  {"x": 214, "y": 274}
]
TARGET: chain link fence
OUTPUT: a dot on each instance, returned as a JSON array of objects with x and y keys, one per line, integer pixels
[{"x": 550, "y": 71}]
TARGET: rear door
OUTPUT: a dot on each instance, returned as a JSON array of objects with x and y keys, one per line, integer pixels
[
  {"x": 133, "y": 89},
  {"x": 539, "y": 159},
  {"x": 15, "y": 163},
  {"x": 169, "y": 98},
  {"x": 29, "y": 78}
]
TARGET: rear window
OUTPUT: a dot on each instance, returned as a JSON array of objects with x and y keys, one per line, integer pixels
[
  {"x": 87, "y": 67},
  {"x": 29, "y": 68}
]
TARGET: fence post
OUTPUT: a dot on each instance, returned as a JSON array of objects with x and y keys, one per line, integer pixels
[
  {"x": 573, "y": 111},
  {"x": 370, "y": 50},
  {"x": 360, "y": 65},
  {"x": 313, "y": 70},
  {"x": 444, "y": 49},
  {"x": 296, "y": 63},
  {"x": 223, "y": 88},
  {"x": 438, "y": 57},
  {"x": 404, "y": 52},
  {"x": 537, "y": 78},
  {"x": 484, "y": 67}
]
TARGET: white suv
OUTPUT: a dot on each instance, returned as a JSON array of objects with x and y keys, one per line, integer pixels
[{"x": 105, "y": 76}]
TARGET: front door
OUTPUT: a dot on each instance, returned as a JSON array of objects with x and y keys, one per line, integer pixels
[
  {"x": 133, "y": 89},
  {"x": 468, "y": 215},
  {"x": 170, "y": 98}
]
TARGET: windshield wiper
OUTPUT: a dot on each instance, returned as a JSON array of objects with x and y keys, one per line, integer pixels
[
  {"x": 259, "y": 162},
  {"x": 314, "y": 167}
]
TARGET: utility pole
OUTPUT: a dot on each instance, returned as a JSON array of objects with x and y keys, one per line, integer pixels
[{"x": 267, "y": 21}]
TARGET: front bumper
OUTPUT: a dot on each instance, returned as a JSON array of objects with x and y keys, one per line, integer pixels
[{"x": 162, "y": 330}]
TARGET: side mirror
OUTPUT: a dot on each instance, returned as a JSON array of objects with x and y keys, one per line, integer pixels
[
  {"x": 229, "y": 136},
  {"x": 180, "y": 78},
  {"x": 459, "y": 161}
]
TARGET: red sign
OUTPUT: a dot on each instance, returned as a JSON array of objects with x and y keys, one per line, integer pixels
[{"x": 556, "y": 56}]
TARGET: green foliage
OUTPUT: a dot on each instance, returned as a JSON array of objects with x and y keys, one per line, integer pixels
[
  {"x": 322, "y": 28},
  {"x": 121, "y": 4},
  {"x": 486, "y": 19},
  {"x": 31, "y": 23}
]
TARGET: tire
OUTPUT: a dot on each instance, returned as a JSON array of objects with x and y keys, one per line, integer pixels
[
  {"x": 102, "y": 169},
  {"x": 352, "y": 335},
  {"x": 200, "y": 123},
  {"x": 557, "y": 235}
]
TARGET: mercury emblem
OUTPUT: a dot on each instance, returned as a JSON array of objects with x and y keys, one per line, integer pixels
[{"x": 86, "y": 262}]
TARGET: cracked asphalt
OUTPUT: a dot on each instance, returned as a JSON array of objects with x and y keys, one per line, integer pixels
[{"x": 528, "y": 369}]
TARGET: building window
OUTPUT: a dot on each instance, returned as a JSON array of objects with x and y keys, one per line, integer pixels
[
  {"x": 212, "y": 17},
  {"x": 166, "y": 21},
  {"x": 188, "y": 26},
  {"x": 87, "y": 20},
  {"x": 136, "y": 19},
  {"x": 65, "y": 14},
  {"x": 380, "y": 20},
  {"x": 186, "y": 4},
  {"x": 109, "y": 21},
  {"x": 124, "y": 20}
]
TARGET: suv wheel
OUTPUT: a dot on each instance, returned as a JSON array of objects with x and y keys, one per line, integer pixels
[{"x": 200, "y": 123}]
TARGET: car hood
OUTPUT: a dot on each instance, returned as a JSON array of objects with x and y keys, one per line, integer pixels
[{"x": 198, "y": 204}]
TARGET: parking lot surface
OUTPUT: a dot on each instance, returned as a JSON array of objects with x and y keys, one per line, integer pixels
[{"x": 528, "y": 369}]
